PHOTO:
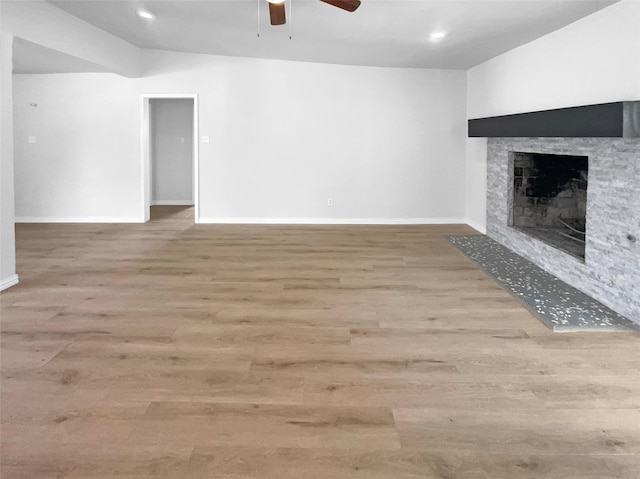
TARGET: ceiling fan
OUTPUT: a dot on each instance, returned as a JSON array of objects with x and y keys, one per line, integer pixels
[{"x": 276, "y": 8}]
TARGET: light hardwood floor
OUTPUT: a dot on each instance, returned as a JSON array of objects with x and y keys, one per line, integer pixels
[{"x": 176, "y": 350}]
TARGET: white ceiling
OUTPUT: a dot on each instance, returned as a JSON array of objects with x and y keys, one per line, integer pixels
[{"x": 391, "y": 33}]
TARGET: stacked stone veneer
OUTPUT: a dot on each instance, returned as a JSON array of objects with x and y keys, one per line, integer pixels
[{"x": 611, "y": 271}]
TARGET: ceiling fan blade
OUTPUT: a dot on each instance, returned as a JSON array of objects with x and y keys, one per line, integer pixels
[
  {"x": 348, "y": 5},
  {"x": 276, "y": 12}
]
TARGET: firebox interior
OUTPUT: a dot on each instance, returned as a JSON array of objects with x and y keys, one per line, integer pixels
[{"x": 550, "y": 199}]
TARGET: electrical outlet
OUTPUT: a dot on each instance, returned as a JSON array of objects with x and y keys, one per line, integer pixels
[
  {"x": 330, "y": 202},
  {"x": 31, "y": 139},
  {"x": 205, "y": 139}
]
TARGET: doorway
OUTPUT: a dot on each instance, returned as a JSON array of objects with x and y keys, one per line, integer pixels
[{"x": 169, "y": 152}]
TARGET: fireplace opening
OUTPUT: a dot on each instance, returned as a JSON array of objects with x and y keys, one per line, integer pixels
[{"x": 550, "y": 199}]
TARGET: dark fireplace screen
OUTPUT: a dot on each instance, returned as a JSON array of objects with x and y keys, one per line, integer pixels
[{"x": 550, "y": 199}]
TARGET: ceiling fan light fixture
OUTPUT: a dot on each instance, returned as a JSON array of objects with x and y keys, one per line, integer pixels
[
  {"x": 145, "y": 14},
  {"x": 277, "y": 8}
]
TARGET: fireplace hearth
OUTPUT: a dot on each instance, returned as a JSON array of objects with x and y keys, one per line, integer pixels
[{"x": 550, "y": 199}]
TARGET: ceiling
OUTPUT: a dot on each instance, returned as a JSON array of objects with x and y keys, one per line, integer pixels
[
  {"x": 33, "y": 58},
  {"x": 389, "y": 33}
]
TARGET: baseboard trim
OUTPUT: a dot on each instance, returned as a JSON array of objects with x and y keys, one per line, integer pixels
[
  {"x": 79, "y": 219},
  {"x": 477, "y": 226},
  {"x": 172, "y": 203},
  {"x": 334, "y": 221},
  {"x": 8, "y": 282}
]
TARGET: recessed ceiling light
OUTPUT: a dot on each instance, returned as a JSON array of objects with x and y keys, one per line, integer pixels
[
  {"x": 147, "y": 15},
  {"x": 437, "y": 36}
]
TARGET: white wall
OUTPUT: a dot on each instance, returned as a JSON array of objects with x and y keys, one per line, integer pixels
[
  {"x": 286, "y": 136},
  {"x": 171, "y": 151},
  {"x": 476, "y": 184},
  {"x": 594, "y": 60},
  {"x": 46, "y": 25},
  {"x": 85, "y": 163},
  {"x": 8, "y": 275},
  {"x": 384, "y": 144}
]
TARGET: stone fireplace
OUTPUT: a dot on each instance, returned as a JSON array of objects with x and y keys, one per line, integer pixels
[
  {"x": 550, "y": 199},
  {"x": 596, "y": 193}
]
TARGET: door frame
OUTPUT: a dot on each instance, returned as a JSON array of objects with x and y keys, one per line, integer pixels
[{"x": 145, "y": 150}]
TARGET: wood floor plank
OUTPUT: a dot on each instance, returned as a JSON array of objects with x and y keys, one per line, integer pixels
[
  {"x": 217, "y": 335},
  {"x": 439, "y": 390},
  {"x": 291, "y": 463},
  {"x": 267, "y": 425},
  {"x": 557, "y": 431},
  {"x": 178, "y": 384},
  {"x": 285, "y": 318},
  {"x": 108, "y": 460},
  {"x": 272, "y": 463}
]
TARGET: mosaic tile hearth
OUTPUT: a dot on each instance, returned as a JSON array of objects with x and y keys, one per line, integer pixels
[{"x": 558, "y": 305}]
